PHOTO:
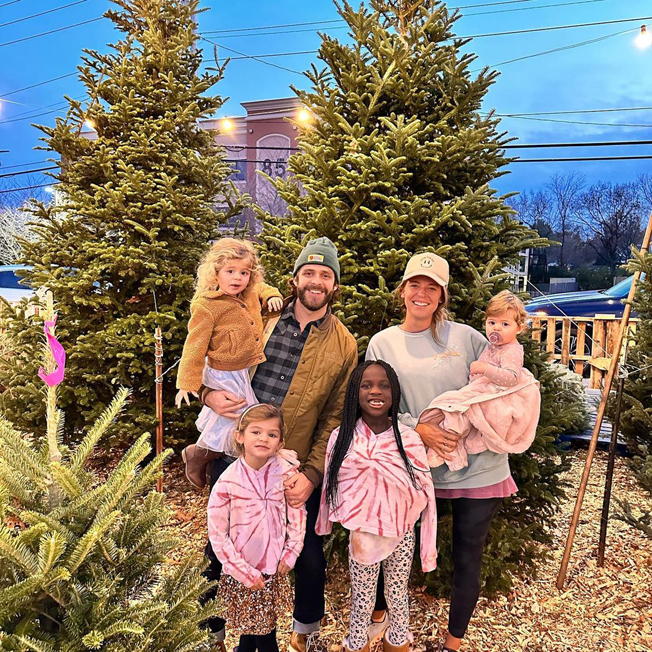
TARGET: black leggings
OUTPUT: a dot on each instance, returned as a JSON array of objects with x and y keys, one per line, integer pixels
[
  {"x": 471, "y": 520},
  {"x": 265, "y": 643}
]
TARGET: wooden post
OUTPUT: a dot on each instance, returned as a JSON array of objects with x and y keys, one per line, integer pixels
[
  {"x": 604, "y": 520},
  {"x": 158, "y": 359},
  {"x": 600, "y": 415}
]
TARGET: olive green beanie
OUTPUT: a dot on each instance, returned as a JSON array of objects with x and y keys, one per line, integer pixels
[{"x": 320, "y": 251}]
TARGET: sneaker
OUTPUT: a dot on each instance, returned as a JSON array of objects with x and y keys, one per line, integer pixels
[{"x": 377, "y": 629}]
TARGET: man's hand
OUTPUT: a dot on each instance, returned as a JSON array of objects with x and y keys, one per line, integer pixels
[
  {"x": 275, "y": 304},
  {"x": 183, "y": 396},
  {"x": 225, "y": 404},
  {"x": 478, "y": 367},
  {"x": 298, "y": 489},
  {"x": 258, "y": 584},
  {"x": 441, "y": 441},
  {"x": 283, "y": 568}
]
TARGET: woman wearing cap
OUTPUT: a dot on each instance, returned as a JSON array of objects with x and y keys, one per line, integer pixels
[{"x": 432, "y": 355}]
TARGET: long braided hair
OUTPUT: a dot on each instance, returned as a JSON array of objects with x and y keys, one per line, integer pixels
[{"x": 351, "y": 414}]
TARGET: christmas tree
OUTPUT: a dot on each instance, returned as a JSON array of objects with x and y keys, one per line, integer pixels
[
  {"x": 636, "y": 415},
  {"x": 138, "y": 208},
  {"x": 83, "y": 558},
  {"x": 398, "y": 159}
]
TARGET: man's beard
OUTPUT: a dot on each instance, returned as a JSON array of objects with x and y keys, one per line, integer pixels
[{"x": 312, "y": 302}]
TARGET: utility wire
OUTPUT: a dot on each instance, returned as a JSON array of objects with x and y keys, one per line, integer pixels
[
  {"x": 52, "y": 31},
  {"x": 15, "y": 174},
  {"x": 21, "y": 165},
  {"x": 341, "y": 20},
  {"x": 267, "y": 63},
  {"x": 574, "y": 111},
  {"x": 42, "y": 13},
  {"x": 583, "y": 122},
  {"x": 583, "y": 158},
  {"x": 47, "y": 81},
  {"x": 6, "y": 4}
]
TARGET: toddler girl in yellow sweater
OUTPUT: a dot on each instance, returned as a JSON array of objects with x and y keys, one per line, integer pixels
[{"x": 224, "y": 340}]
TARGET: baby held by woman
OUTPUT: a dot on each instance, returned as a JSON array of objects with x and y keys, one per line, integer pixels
[{"x": 499, "y": 409}]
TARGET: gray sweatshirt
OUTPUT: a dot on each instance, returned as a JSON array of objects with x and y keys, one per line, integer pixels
[{"x": 427, "y": 369}]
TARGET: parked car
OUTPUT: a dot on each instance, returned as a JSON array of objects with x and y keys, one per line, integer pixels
[
  {"x": 582, "y": 304},
  {"x": 10, "y": 288}
]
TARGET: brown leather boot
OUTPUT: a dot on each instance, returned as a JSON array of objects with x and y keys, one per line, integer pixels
[
  {"x": 196, "y": 459},
  {"x": 388, "y": 647}
]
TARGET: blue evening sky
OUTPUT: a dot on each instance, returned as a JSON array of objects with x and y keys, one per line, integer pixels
[{"x": 610, "y": 73}]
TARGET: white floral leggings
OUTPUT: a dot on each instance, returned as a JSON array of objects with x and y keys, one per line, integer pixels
[{"x": 364, "y": 580}]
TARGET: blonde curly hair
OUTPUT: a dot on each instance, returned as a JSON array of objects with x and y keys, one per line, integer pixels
[{"x": 220, "y": 253}]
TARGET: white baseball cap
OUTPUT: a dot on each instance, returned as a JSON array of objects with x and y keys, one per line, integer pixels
[{"x": 430, "y": 265}]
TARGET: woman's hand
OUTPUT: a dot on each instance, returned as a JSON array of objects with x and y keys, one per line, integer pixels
[
  {"x": 441, "y": 441},
  {"x": 275, "y": 304},
  {"x": 183, "y": 396},
  {"x": 283, "y": 568}
]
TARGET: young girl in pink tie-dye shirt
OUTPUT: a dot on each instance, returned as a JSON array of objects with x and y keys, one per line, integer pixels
[
  {"x": 254, "y": 532},
  {"x": 377, "y": 485}
]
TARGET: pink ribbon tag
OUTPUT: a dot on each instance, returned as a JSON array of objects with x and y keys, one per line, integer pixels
[{"x": 59, "y": 355}]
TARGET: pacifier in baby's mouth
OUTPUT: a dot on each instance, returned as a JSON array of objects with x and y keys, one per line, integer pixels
[{"x": 495, "y": 338}]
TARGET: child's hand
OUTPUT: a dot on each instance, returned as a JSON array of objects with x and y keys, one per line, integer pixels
[
  {"x": 478, "y": 367},
  {"x": 275, "y": 304},
  {"x": 283, "y": 568},
  {"x": 182, "y": 396},
  {"x": 259, "y": 584}
]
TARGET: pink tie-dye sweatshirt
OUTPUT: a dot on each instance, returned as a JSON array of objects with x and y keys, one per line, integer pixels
[
  {"x": 250, "y": 525},
  {"x": 375, "y": 492}
]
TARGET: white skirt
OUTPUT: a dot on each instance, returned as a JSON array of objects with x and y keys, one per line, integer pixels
[{"x": 217, "y": 432}]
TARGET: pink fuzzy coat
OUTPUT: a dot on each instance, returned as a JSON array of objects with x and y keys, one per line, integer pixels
[
  {"x": 376, "y": 494},
  {"x": 496, "y": 411},
  {"x": 250, "y": 525}
]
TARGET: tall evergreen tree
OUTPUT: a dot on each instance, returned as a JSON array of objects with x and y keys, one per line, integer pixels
[
  {"x": 138, "y": 207},
  {"x": 399, "y": 159},
  {"x": 636, "y": 416}
]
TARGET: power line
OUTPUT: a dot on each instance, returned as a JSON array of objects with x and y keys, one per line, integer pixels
[
  {"x": 573, "y": 111},
  {"x": 34, "y": 115},
  {"x": 15, "y": 174},
  {"x": 267, "y": 63},
  {"x": 225, "y": 32},
  {"x": 572, "y": 46},
  {"x": 21, "y": 165},
  {"x": 584, "y": 158},
  {"x": 42, "y": 185},
  {"x": 42, "y": 13},
  {"x": 6, "y": 4},
  {"x": 52, "y": 31},
  {"x": 584, "y": 122},
  {"x": 47, "y": 81}
]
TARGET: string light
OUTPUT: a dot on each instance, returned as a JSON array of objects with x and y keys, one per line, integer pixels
[
  {"x": 644, "y": 38},
  {"x": 227, "y": 125},
  {"x": 90, "y": 123},
  {"x": 304, "y": 115}
]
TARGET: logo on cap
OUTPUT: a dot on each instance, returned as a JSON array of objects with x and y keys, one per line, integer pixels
[
  {"x": 316, "y": 258},
  {"x": 426, "y": 262}
]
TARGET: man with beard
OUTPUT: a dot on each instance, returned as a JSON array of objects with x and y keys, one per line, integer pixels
[{"x": 310, "y": 355}]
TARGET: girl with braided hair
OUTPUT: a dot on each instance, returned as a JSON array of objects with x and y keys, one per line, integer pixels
[{"x": 377, "y": 485}]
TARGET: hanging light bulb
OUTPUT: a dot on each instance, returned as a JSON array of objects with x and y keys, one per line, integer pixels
[
  {"x": 644, "y": 38},
  {"x": 90, "y": 123},
  {"x": 227, "y": 125},
  {"x": 304, "y": 116}
]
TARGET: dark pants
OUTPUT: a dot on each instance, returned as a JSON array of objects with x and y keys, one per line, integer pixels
[
  {"x": 471, "y": 520},
  {"x": 266, "y": 643},
  {"x": 309, "y": 570}
]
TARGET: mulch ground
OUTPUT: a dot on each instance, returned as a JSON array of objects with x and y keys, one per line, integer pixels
[{"x": 599, "y": 609}]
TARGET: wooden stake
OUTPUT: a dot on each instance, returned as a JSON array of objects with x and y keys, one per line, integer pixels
[
  {"x": 158, "y": 359},
  {"x": 600, "y": 415},
  {"x": 604, "y": 520}
]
